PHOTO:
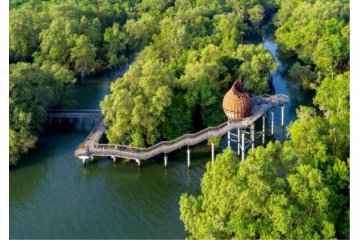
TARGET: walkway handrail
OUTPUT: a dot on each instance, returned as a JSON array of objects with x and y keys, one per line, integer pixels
[
  {"x": 260, "y": 105},
  {"x": 73, "y": 110}
]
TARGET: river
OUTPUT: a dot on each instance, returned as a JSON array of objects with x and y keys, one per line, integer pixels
[{"x": 53, "y": 196}]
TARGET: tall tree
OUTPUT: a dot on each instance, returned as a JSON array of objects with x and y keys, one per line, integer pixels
[
  {"x": 333, "y": 98},
  {"x": 25, "y": 27},
  {"x": 267, "y": 196},
  {"x": 32, "y": 91},
  {"x": 256, "y": 65},
  {"x": 83, "y": 55},
  {"x": 134, "y": 111},
  {"x": 58, "y": 39},
  {"x": 116, "y": 43},
  {"x": 318, "y": 31}
]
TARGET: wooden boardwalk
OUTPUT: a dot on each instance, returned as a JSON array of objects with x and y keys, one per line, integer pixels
[
  {"x": 91, "y": 146},
  {"x": 94, "y": 137},
  {"x": 73, "y": 114}
]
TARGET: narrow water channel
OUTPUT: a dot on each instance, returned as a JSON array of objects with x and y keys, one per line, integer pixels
[{"x": 53, "y": 196}]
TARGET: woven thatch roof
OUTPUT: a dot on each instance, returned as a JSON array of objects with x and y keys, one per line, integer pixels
[{"x": 236, "y": 102}]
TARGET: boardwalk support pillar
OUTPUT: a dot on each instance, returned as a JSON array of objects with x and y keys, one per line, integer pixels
[
  {"x": 84, "y": 159},
  {"x": 113, "y": 158},
  {"x": 272, "y": 122},
  {"x": 243, "y": 145},
  {"x": 252, "y": 132},
  {"x": 238, "y": 141},
  {"x": 212, "y": 152},
  {"x": 165, "y": 160},
  {"x": 228, "y": 135},
  {"x": 188, "y": 157},
  {"x": 138, "y": 162},
  {"x": 282, "y": 115},
  {"x": 263, "y": 129}
]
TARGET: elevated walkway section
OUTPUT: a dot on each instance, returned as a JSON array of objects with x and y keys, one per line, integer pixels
[
  {"x": 91, "y": 146},
  {"x": 74, "y": 114}
]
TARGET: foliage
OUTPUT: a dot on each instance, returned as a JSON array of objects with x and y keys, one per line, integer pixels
[
  {"x": 54, "y": 31},
  {"x": 25, "y": 27},
  {"x": 143, "y": 28},
  {"x": 57, "y": 39},
  {"x": 215, "y": 140},
  {"x": 141, "y": 99},
  {"x": 116, "y": 44},
  {"x": 318, "y": 31},
  {"x": 333, "y": 98},
  {"x": 196, "y": 50},
  {"x": 267, "y": 196},
  {"x": 256, "y": 67},
  {"x": 32, "y": 91},
  {"x": 303, "y": 74},
  {"x": 83, "y": 55},
  {"x": 300, "y": 189},
  {"x": 256, "y": 15}
]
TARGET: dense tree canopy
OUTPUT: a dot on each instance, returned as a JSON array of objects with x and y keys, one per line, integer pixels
[
  {"x": 60, "y": 30},
  {"x": 196, "y": 50},
  {"x": 190, "y": 52},
  {"x": 267, "y": 196},
  {"x": 32, "y": 91},
  {"x": 318, "y": 32},
  {"x": 58, "y": 39},
  {"x": 135, "y": 113},
  {"x": 299, "y": 189}
]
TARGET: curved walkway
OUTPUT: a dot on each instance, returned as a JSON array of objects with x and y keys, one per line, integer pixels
[{"x": 260, "y": 105}]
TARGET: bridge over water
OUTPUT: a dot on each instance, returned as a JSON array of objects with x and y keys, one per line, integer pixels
[
  {"x": 74, "y": 113},
  {"x": 245, "y": 137}
]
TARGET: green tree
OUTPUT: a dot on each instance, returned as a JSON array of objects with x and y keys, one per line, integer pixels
[
  {"x": 315, "y": 143},
  {"x": 230, "y": 29},
  {"x": 256, "y": 15},
  {"x": 215, "y": 140},
  {"x": 134, "y": 111},
  {"x": 143, "y": 28},
  {"x": 91, "y": 29},
  {"x": 83, "y": 55},
  {"x": 65, "y": 79},
  {"x": 267, "y": 196},
  {"x": 32, "y": 91},
  {"x": 25, "y": 27},
  {"x": 172, "y": 40},
  {"x": 303, "y": 74},
  {"x": 317, "y": 31},
  {"x": 116, "y": 44},
  {"x": 309, "y": 136},
  {"x": 58, "y": 39},
  {"x": 333, "y": 98},
  {"x": 256, "y": 65},
  {"x": 204, "y": 78}
]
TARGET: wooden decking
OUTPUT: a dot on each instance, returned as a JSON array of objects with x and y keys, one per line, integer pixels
[
  {"x": 94, "y": 137},
  {"x": 91, "y": 146}
]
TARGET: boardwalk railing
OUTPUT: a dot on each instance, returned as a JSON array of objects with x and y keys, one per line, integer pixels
[
  {"x": 260, "y": 105},
  {"x": 76, "y": 113}
]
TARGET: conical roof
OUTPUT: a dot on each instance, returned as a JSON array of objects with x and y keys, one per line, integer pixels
[{"x": 237, "y": 103}]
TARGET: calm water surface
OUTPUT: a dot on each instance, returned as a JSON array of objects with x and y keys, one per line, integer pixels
[{"x": 53, "y": 196}]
